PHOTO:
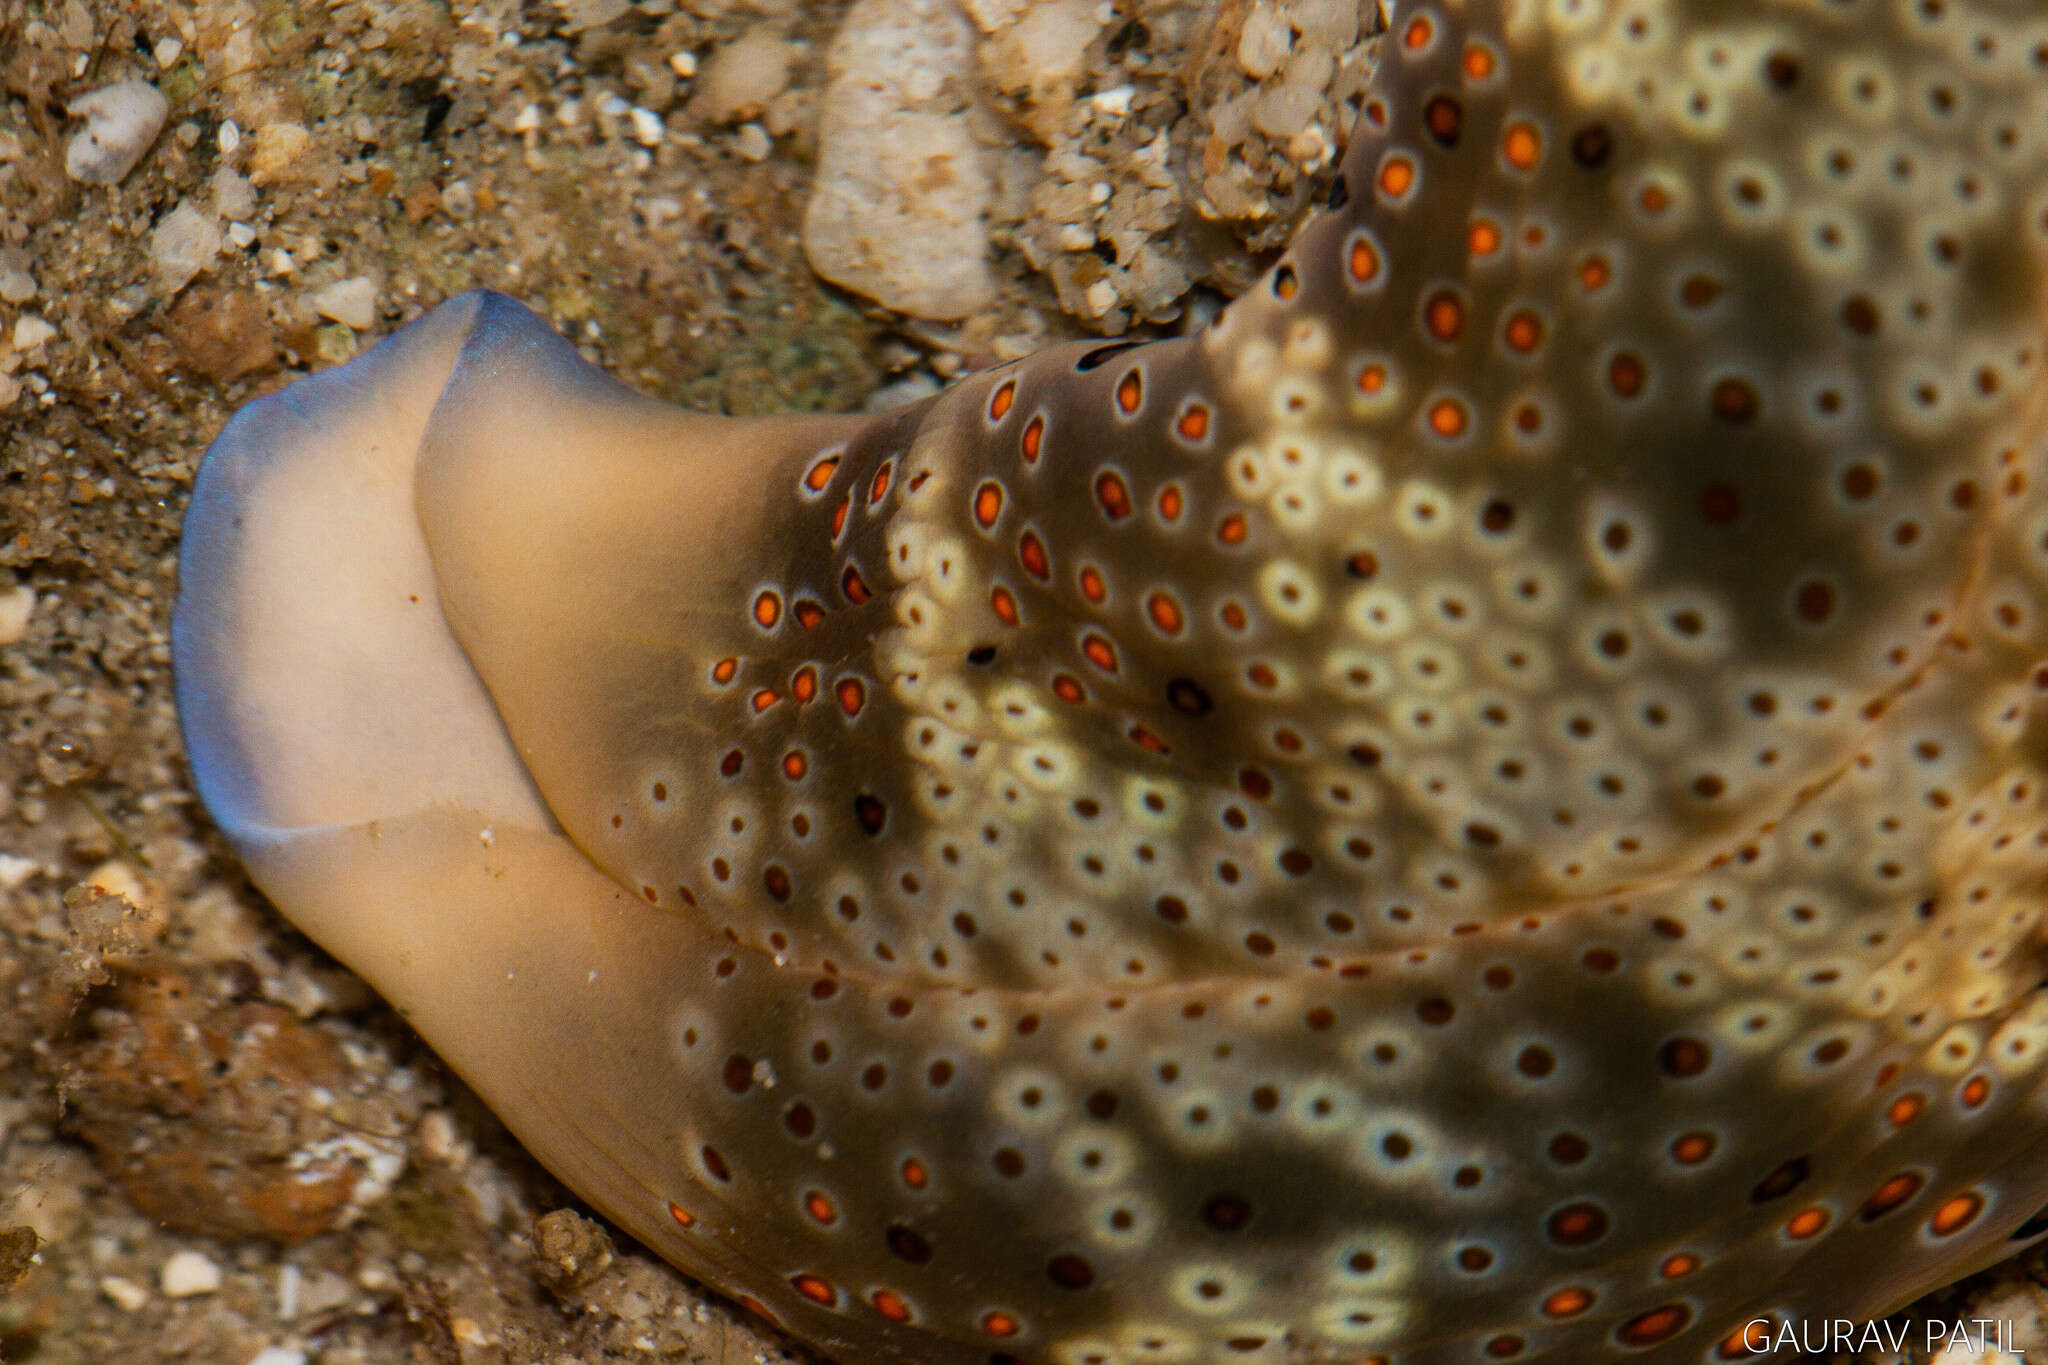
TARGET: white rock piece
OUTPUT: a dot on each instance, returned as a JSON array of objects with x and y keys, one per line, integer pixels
[
  {"x": 183, "y": 244},
  {"x": 31, "y": 331},
  {"x": 17, "y": 605},
  {"x": 121, "y": 121},
  {"x": 187, "y": 1274},
  {"x": 17, "y": 282},
  {"x": 351, "y": 302},
  {"x": 903, "y": 186}
]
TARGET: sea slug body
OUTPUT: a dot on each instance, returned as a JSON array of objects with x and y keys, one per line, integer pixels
[{"x": 1493, "y": 804}]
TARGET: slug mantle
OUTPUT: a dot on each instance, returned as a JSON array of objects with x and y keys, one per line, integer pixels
[{"x": 1489, "y": 805}]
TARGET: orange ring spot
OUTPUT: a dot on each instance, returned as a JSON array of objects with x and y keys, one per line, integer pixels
[
  {"x": 999, "y": 1325},
  {"x": 804, "y": 685},
  {"x": 1130, "y": 392},
  {"x": 1524, "y": 332},
  {"x": 1165, "y": 613},
  {"x": 723, "y": 670},
  {"x": 1148, "y": 741},
  {"x": 1233, "y": 529},
  {"x": 758, "y": 1309},
  {"x": 1170, "y": 503},
  {"x": 891, "y": 1306},
  {"x": 1444, "y": 316},
  {"x": 1479, "y": 62},
  {"x": 1906, "y": 1108},
  {"x": 1752, "y": 1338},
  {"x": 1234, "y": 617},
  {"x": 1522, "y": 146},
  {"x": 1005, "y": 605},
  {"x": 1957, "y": 1214},
  {"x": 1068, "y": 689},
  {"x": 839, "y": 515},
  {"x": 1594, "y": 273},
  {"x": 767, "y": 610},
  {"x": 1363, "y": 260},
  {"x": 1690, "y": 1149},
  {"x": 1372, "y": 379},
  {"x": 853, "y": 695},
  {"x": 765, "y": 698},
  {"x": 795, "y": 765},
  {"x": 854, "y": 586},
  {"x": 684, "y": 1218},
  {"x": 1659, "y": 1324},
  {"x": 1397, "y": 177},
  {"x": 999, "y": 402},
  {"x": 1806, "y": 1223},
  {"x": 1194, "y": 423},
  {"x": 1654, "y": 199},
  {"x": 914, "y": 1173},
  {"x": 1032, "y": 440},
  {"x": 1447, "y": 418},
  {"x": 1892, "y": 1193},
  {"x": 988, "y": 504},
  {"x": 1483, "y": 238},
  {"x": 878, "y": 487},
  {"x": 1031, "y": 554},
  {"x": 1975, "y": 1092},
  {"x": 808, "y": 613},
  {"x": 815, "y": 1289},
  {"x": 1100, "y": 652},
  {"x": 1420, "y": 30},
  {"x": 1567, "y": 1303},
  {"x": 1114, "y": 496},
  {"x": 821, "y": 473},
  {"x": 1678, "y": 1266},
  {"x": 820, "y": 1207},
  {"x": 1092, "y": 586}
]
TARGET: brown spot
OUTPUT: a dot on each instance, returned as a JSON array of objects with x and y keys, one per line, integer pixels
[
  {"x": 1444, "y": 117},
  {"x": 1735, "y": 401},
  {"x": 1226, "y": 1212},
  {"x": 1782, "y": 1180},
  {"x": 1683, "y": 1057},
  {"x": 1576, "y": 1225}
]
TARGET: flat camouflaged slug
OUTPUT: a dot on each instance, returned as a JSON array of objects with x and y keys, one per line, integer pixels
[{"x": 1493, "y": 804}]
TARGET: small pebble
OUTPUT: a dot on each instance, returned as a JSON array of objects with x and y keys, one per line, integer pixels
[
  {"x": 1264, "y": 42},
  {"x": 167, "y": 51},
  {"x": 183, "y": 244},
  {"x": 17, "y": 284},
  {"x": 124, "y": 1294},
  {"x": 188, "y": 1274},
  {"x": 742, "y": 77},
  {"x": 31, "y": 331},
  {"x": 752, "y": 142},
  {"x": 351, "y": 302},
  {"x": 280, "y": 153},
  {"x": 278, "y": 1355},
  {"x": 17, "y": 605},
  {"x": 647, "y": 126},
  {"x": 121, "y": 121}
]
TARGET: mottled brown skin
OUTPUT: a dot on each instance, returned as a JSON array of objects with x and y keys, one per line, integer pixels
[{"x": 1488, "y": 806}]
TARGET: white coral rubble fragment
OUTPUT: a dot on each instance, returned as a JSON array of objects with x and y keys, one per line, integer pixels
[{"x": 121, "y": 121}]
